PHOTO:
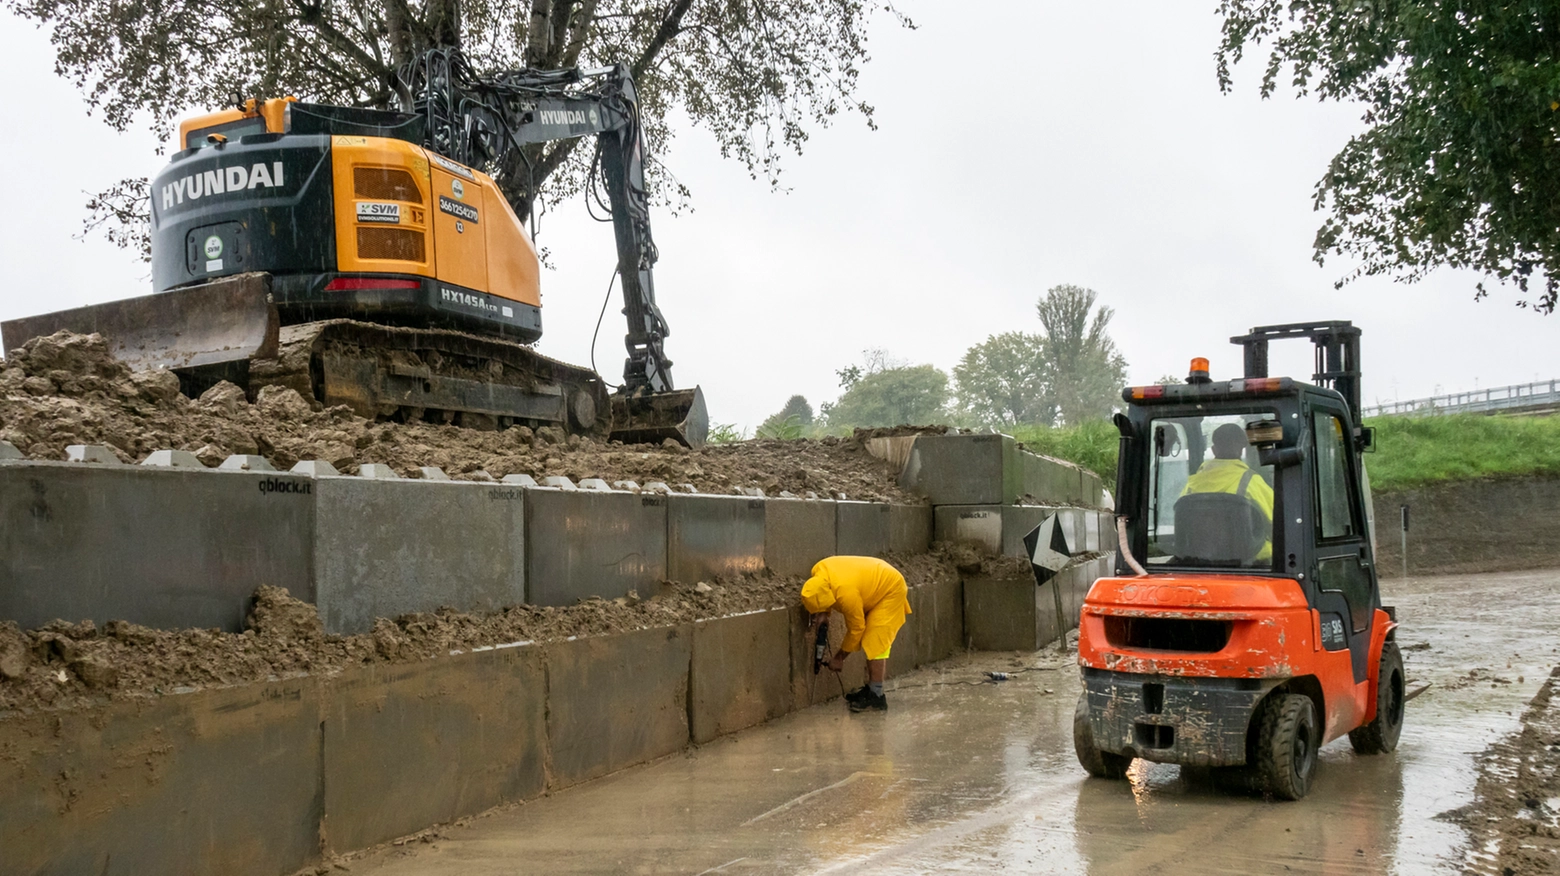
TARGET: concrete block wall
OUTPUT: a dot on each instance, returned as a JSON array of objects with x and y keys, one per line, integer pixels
[
  {"x": 186, "y": 547},
  {"x": 268, "y": 778}
]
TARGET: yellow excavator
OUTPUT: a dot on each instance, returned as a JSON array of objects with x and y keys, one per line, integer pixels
[{"x": 376, "y": 259}]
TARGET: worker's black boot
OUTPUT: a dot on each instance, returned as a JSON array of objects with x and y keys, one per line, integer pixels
[
  {"x": 858, "y": 694},
  {"x": 869, "y": 702}
]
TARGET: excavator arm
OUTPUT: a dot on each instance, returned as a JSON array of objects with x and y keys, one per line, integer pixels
[{"x": 487, "y": 122}]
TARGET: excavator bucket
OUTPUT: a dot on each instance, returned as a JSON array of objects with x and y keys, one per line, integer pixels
[
  {"x": 227, "y": 320},
  {"x": 653, "y": 417}
]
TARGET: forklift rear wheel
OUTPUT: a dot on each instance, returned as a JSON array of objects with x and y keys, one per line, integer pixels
[
  {"x": 1381, "y": 734},
  {"x": 1287, "y": 739},
  {"x": 1099, "y": 764}
]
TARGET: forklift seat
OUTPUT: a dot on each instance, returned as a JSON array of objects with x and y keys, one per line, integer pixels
[{"x": 1219, "y": 529}]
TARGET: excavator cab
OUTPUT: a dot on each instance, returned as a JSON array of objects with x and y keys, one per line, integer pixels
[{"x": 1244, "y": 628}]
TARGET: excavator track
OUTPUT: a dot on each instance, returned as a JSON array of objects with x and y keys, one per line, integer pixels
[{"x": 434, "y": 375}]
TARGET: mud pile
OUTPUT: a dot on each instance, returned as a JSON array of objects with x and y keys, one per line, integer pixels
[
  {"x": 66, "y": 389},
  {"x": 72, "y": 664}
]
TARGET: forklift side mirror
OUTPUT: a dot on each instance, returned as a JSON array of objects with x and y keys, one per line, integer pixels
[
  {"x": 1365, "y": 439},
  {"x": 1167, "y": 442}
]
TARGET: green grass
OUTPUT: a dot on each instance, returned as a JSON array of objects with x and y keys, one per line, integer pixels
[
  {"x": 1415, "y": 451},
  {"x": 1091, "y": 445},
  {"x": 1410, "y": 451}
]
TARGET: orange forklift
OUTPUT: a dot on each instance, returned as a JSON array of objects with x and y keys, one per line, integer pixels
[{"x": 1244, "y": 628}]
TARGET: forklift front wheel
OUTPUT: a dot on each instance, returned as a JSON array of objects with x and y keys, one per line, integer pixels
[
  {"x": 1099, "y": 764},
  {"x": 1381, "y": 734},
  {"x": 1287, "y": 738}
]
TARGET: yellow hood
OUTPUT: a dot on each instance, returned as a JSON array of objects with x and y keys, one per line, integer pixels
[{"x": 818, "y": 594}]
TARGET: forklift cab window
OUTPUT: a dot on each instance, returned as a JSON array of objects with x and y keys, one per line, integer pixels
[
  {"x": 1336, "y": 517},
  {"x": 1210, "y": 502}
]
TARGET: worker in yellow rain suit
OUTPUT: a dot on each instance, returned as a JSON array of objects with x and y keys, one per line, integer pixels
[
  {"x": 871, "y": 595},
  {"x": 1228, "y": 473}
]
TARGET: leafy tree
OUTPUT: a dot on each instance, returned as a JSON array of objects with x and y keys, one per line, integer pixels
[
  {"x": 792, "y": 421},
  {"x": 758, "y": 74},
  {"x": 1458, "y": 164},
  {"x": 1006, "y": 381},
  {"x": 1086, "y": 370},
  {"x": 885, "y": 392}
]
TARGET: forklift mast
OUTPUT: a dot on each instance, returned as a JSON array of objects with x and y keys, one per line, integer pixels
[{"x": 1337, "y": 355}]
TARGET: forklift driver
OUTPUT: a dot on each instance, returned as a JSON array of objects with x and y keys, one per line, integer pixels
[{"x": 1228, "y": 473}]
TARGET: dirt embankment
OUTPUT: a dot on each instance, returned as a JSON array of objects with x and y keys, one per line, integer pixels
[
  {"x": 65, "y": 389},
  {"x": 65, "y": 665},
  {"x": 1473, "y": 526}
]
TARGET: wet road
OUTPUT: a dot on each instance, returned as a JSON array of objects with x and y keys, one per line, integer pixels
[{"x": 963, "y": 777}]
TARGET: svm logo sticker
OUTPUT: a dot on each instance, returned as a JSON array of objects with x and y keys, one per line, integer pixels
[{"x": 377, "y": 211}]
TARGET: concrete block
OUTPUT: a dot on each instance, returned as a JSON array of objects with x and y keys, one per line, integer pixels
[
  {"x": 909, "y": 529},
  {"x": 658, "y": 487},
  {"x": 741, "y": 673},
  {"x": 223, "y": 781},
  {"x": 941, "y": 618},
  {"x": 996, "y": 530},
  {"x": 520, "y": 480},
  {"x": 163, "y": 547},
  {"x": 963, "y": 469},
  {"x": 95, "y": 453},
  {"x": 595, "y": 484},
  {"x": 797, "y": 534},
  {"x": 979, "y": 526},
  {"x": 629, "y": 486},
  {"x": 314, "y": 468},
  {"x": 593, "y": 544},
  {"x": 558, "y": 482},
  {"x": 389, "y": 547},
  {"x": 862, "y": 528},
  {"x": 411, "y": 745},
  {"x": 377, "y": 470},
  {"x": 173, "y": 459},
  {"x": 246, "y": 462},
  {"x": 9, "y": 451},
  {"x": 616, "y": 701},
  {"x": 432, "y": 473},
  {"x": 1008, "y": 614},
  {"x": 710, "y": 536}
]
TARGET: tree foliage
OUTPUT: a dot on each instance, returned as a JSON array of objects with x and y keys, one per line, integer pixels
[
  {"x": 1087, "y": 371},
  {"x": 1459, "y": 164},
  {"x": 790, "y": 422},
  {"x": 1006, "y": 381},
  {"x": 1069, "y": 373},
  {"x": 757, "y": 74},
  {"x": 884, "y": 392}
]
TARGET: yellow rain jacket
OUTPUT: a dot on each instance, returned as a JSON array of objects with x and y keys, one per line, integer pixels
[
  {"x": 868, "y": 592},
  {"x": 1223, "y": 476}
]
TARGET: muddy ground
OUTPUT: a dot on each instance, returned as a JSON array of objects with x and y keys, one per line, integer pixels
[
  {"x": 1514, "y": 820},
  {"x": 66, "y": 665},
  {"x": 66, "y": 389}
]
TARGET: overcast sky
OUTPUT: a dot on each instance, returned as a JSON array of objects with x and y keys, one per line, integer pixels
[{"x": 1019, "y": 147}]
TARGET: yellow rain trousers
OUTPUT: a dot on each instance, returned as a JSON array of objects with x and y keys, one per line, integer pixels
[{"x": 868, "y": 592}]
